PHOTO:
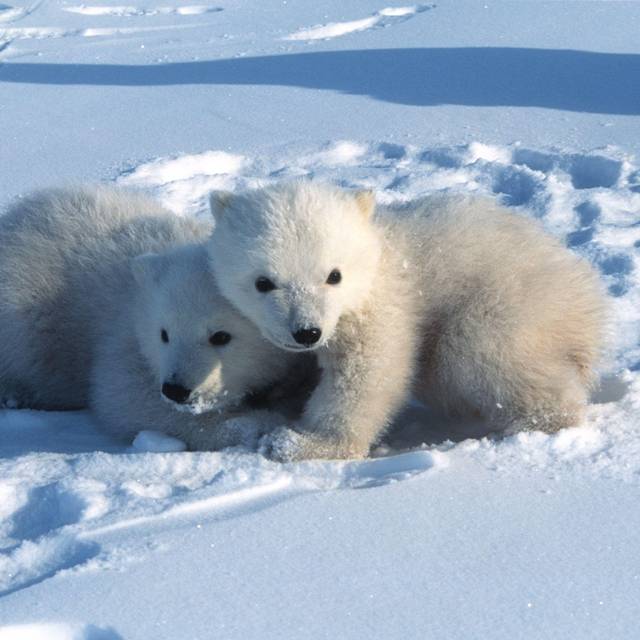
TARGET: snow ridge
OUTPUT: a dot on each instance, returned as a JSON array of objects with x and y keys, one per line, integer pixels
[{"x": 380, "y": 19}]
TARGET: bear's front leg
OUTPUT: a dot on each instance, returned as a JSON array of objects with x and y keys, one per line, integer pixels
[{"x": 366, "y": 375}]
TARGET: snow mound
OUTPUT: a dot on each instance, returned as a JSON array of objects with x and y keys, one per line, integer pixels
[
  {"x": 187, "y": 180},
  {"x": 156, "y": 442},
  {"x": 11, "y": 14},
  {"x": 128, "y": 11},
  {"x": 383, "y": 18},
  {"x": 56, "y": 631}
]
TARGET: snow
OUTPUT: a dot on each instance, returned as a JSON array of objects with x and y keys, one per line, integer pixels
[
  {"x": 157, "y": 442},
  {"x": 125, "y": 11},
  {"x": 382, "y": 18},
  {"x": 56, "y": 632},
  {"x": 535, "y": 536}
]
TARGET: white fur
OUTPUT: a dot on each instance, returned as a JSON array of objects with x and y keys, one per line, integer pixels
[
  {"x": 175, "y": 292},
  {"x": 474, "y": 308},
  {"x": 81, "y": 320},
  {"x": 294, "y": 243},
  {"x": 63, "y": 257}
]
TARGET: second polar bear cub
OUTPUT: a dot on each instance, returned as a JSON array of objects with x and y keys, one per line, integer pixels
[
  {"x": 475, "y": 309},
  {"x": 171, "y": 329},
  {"x": 85, "y": 320}
]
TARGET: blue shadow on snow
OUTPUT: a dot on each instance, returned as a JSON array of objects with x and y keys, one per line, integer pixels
[{"x": 582, "y": 81}]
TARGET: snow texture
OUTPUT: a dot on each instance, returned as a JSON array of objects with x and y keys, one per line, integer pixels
[{"x": 444, "y": 533}]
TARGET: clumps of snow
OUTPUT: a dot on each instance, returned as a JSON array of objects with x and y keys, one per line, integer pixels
[
  {"x": 334, "y": 29},
  {"x": 36, "y": 33},
  {"x": 105, "y": 10},
  {"x": 11, "y": 14},
  {"x": 192, "y": 10},
  {"x": 59, "y": 507},
  {"x": 184, "y": 182},
  {"x": 44, "y": 33},
  {"x": 383, "y": 18},
  {"x": 395, "y": 468},
  {"x": 57, "y": 631},
  {"x": 157, "y": 442},
  {"x": 128, "y": 11},
  {"x": 343, "y": 152},
  {"x": 34, "y": 561},
  {"x": 479, "y": 151},
  {"x": 209, "y": 163}
]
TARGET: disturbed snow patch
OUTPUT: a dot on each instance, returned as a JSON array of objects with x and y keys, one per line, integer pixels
[
  {"x": 383, "y": 18},
  {"x": 128, "y": 11},
  {"x": 187, "y": 180},
  {"x": 57, "y": 631}
]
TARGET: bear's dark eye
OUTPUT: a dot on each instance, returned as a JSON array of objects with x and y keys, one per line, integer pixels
[
  {"x": 164, "y": 336},
  {"x": 334, "y": 277},
  {"x": 264, "y": 285},
  {"x": 220, "y": 338}
]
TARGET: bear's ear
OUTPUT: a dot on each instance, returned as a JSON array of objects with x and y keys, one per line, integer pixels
[
  {"x": 147, "y": 268},
  {"x": 219, "y": 201},
  {"x": 366, "y": 201}
]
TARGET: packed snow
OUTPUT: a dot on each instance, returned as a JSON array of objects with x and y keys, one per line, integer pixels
[
  {"x": 382, "y": 18},
  {"x": 445, "y": 532}
]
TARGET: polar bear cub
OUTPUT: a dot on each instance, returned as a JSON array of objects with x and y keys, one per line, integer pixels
[
  {"x": 86, "y": 320},
  {"x": 474, "y": 309},
  {"x": 172, "y": 342},
  {"x": 64, "y": 255}
]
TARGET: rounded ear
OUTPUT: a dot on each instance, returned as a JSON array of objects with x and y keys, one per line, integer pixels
[
  {"x": 366, "y": 201},
  {"x": 219, "y": 201},
  {"x": 147, "y": 268}
]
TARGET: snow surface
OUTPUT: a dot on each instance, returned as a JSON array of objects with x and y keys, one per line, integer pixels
[{"x": 535, "y": 536}]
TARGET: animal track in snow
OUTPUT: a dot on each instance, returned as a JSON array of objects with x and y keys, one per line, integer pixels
[
  {"x": 380, "y": 471},
  {"x": 383, "y": 18},
  {"x": 32, "y": 562},
  {"x": 9, "y": 13},
  {"x": 188, "y": 179},
  {"x": 588, "y": 214},
  {"x": 129, "y": 11},
  {"x": 586, "y": 171},
  {"x": 517, "y": 186},
  {"x": 57, "y": 631},
  {"x": 43, "y": 33},
  {"x": 48, "y": 507}
]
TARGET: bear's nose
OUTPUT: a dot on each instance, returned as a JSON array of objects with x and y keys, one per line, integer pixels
[
  {"x": 307, "y": 337},
  {"x": 176, "y": 392}
]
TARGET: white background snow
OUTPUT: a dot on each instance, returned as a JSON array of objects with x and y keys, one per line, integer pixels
[{"x": 533, "y": 537}]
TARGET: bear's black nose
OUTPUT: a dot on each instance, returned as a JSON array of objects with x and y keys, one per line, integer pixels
[
  {"x": 175, "y": 392},
  {"x": 307, "y": 337}
]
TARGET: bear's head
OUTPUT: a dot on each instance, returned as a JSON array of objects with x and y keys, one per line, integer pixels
[
  {"x": 295, "y": 257},
  {"x": 202, "y": 352}
]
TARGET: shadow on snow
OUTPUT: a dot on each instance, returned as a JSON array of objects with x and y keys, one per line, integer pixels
[{"x": 556, "y": 79}]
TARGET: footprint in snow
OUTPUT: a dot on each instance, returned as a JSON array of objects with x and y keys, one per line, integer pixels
[
  {"x": 588, "y": 215},
  {"x": 48, "y": 508},
  {"x": 11, "y": 14},
  {"x": 129, "y": 11},
  {"x": 57, "y": 630},
  {"x": 383, "y": 18},
  {"x": 375, "y": 472}
]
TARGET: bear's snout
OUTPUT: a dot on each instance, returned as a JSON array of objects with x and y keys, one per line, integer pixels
[
  {"x": 307, "y": 337},
  {"x": 175, "y": 392}
]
